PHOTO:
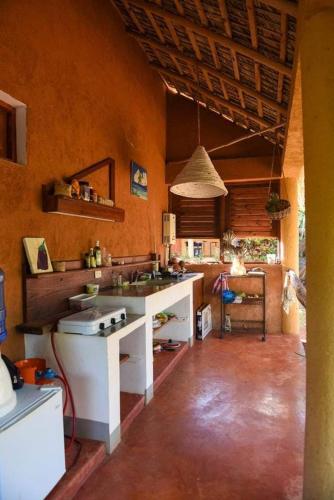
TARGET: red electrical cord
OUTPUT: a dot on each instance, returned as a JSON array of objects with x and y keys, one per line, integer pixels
[
  {"x": 65, "y": 390},
  {"x": 68, "y": 391}
]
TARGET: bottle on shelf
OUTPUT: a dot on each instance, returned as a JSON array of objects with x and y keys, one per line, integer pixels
[
  {"x": 92, "y": 259},
  {"x": 87, "y": 260},
  {"x": 120, "y": 280},
  {"x": 114, "y": 280},
  {"x": 98, "y": 254}
]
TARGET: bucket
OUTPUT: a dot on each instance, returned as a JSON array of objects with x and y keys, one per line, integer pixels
[{"x": 28, "y": 368}]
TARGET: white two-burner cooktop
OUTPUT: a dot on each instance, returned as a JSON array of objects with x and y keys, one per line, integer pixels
[{"x": 92, "y": 320}]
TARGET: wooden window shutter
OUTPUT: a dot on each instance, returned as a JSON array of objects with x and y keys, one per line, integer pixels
[
  {"x": 245, "y": 211},
  {"x": 195, "y": 218},
  {"x": 7, "y": 131}
]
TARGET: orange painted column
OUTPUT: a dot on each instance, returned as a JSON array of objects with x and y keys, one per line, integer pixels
[
  {"x": 317, "y": 69},
  {"x": 290, "y": 247}
]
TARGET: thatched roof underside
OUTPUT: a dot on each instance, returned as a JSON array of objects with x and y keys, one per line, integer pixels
[{"x": 234, "y": 56}]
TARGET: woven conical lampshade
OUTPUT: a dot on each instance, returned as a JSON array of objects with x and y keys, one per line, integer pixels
[{"x": 199, "y": 178}]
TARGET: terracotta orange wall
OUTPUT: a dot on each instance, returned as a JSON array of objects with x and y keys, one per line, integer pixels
[
  {"x": 90, "y": 94},
  {"x": 290, "y": 248},
  {"x": 182, "y": 133}
]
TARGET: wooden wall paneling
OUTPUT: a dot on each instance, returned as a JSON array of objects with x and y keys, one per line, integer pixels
[
  {"x": 46, "y": 295},
  {"x": 196, "y": 218},
  {"x": 246, "y": 214}
]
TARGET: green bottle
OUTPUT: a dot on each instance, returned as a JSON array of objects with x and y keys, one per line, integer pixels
[
  {"x": 92, "y": 258},
  {"x": 98, "y": 254}
]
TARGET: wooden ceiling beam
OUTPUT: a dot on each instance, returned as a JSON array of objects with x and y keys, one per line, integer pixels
[
  {"x": 282, "y": 56},
  {"x": 234, "y": 59},
  {"x": 194, "y": 44},
  {"x": 208, "y": 33},
  {"x": 224, "y": 78},
  {"x": 156, "y": 53},
  {"x": 201, "y": 12},
  {"x": 173, "y": 34},
  {"x": 179, "y": 7},
  {"x": 233, "y": 107},
  {"x": 208, "y": 81},
  {"x": 253, "y": 31},
  {"x": 214, "y": 53},
  {"x": 224, "y": 15},
  {"x": 133, "y": 16},
  {"x": 252, "y": 23},
  {"x": 284, "y": 6},
  {"x": 156, "y": 27},
  {"x": 222, "y": 84},
  {"x": 177, "y": 64},
  {"x": 258, "y": 88}
]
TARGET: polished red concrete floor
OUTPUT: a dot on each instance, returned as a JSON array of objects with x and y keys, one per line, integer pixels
[{"x": 228, "y": 423}]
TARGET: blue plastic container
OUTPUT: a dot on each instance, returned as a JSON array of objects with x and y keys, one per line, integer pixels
[{"x": 228, "y": 296}]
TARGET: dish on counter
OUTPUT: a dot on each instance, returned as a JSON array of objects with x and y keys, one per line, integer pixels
[{"x": 156, "y": 324}]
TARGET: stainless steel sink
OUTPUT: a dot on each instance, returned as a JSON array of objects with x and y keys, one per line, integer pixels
[
  {"x": 155, "y": 282},
  {"x": 163, "y": 281}
]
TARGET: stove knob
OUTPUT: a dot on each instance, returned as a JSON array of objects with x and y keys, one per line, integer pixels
[
  {"x": 102, "y": 325},
  {"x": 113, "y": 321},
  {"x": 123, "y": 316}
]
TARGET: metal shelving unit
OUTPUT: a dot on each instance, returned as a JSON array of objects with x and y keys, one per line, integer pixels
[{"x": 246, "y": 325}]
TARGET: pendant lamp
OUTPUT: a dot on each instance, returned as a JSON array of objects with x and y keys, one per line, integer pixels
[{"x": 199, "y": 178}]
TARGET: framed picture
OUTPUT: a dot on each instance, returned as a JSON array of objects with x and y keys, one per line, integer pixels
[
  {"x": 37, "y": 255},
  {"x": 138, "y": 181}
]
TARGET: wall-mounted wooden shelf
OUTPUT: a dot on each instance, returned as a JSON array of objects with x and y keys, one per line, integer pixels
[
  {"x": 80, "y": 208},
  {"x": 46, "y": 294},
  {"x": 91, "y": 270}
]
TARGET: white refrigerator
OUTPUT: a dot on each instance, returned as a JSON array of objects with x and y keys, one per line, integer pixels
[{"x": 32, "y": 457}]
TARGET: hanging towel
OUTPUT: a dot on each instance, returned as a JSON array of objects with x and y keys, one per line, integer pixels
[
  {"x": 220, "y": 284},
  {"x": 289, "y": 294}
]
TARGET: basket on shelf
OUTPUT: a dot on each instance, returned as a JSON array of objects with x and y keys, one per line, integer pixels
[{"x": 277, "y": 208}]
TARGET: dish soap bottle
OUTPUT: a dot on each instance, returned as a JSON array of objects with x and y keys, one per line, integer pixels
[
  {"x": 98, "y": 254},
  {"x": 92, "y": 259}
]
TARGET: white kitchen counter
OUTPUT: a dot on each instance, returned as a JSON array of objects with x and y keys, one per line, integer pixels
[
  {"x": 150, "y": 300},
  {"x": 92, "y": 362}
]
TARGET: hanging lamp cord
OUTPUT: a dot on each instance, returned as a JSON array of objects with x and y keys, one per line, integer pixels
[
  {"x": 235, "y": 141},
  {"x": 272, "y": 174},
  {"x": 272, "y": 170},
  {"x": 198, "y": 109}
]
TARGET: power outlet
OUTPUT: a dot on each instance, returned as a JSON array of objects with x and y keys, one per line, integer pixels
[{"x": 98, "y": 274}]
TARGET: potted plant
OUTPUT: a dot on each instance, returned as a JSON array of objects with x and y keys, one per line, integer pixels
[{"x": 276, "y": 207}]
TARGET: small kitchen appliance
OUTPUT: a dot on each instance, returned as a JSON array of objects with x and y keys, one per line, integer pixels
[
  {"x": 7, "y": 394},
  {"x": 91, "y": 321}
]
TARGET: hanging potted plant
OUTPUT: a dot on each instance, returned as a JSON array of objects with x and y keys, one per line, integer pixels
[{"x": 276, "y": 207}]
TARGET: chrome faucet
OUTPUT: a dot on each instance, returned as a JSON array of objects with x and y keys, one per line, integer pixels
[{"x": 135, "y": 275}]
